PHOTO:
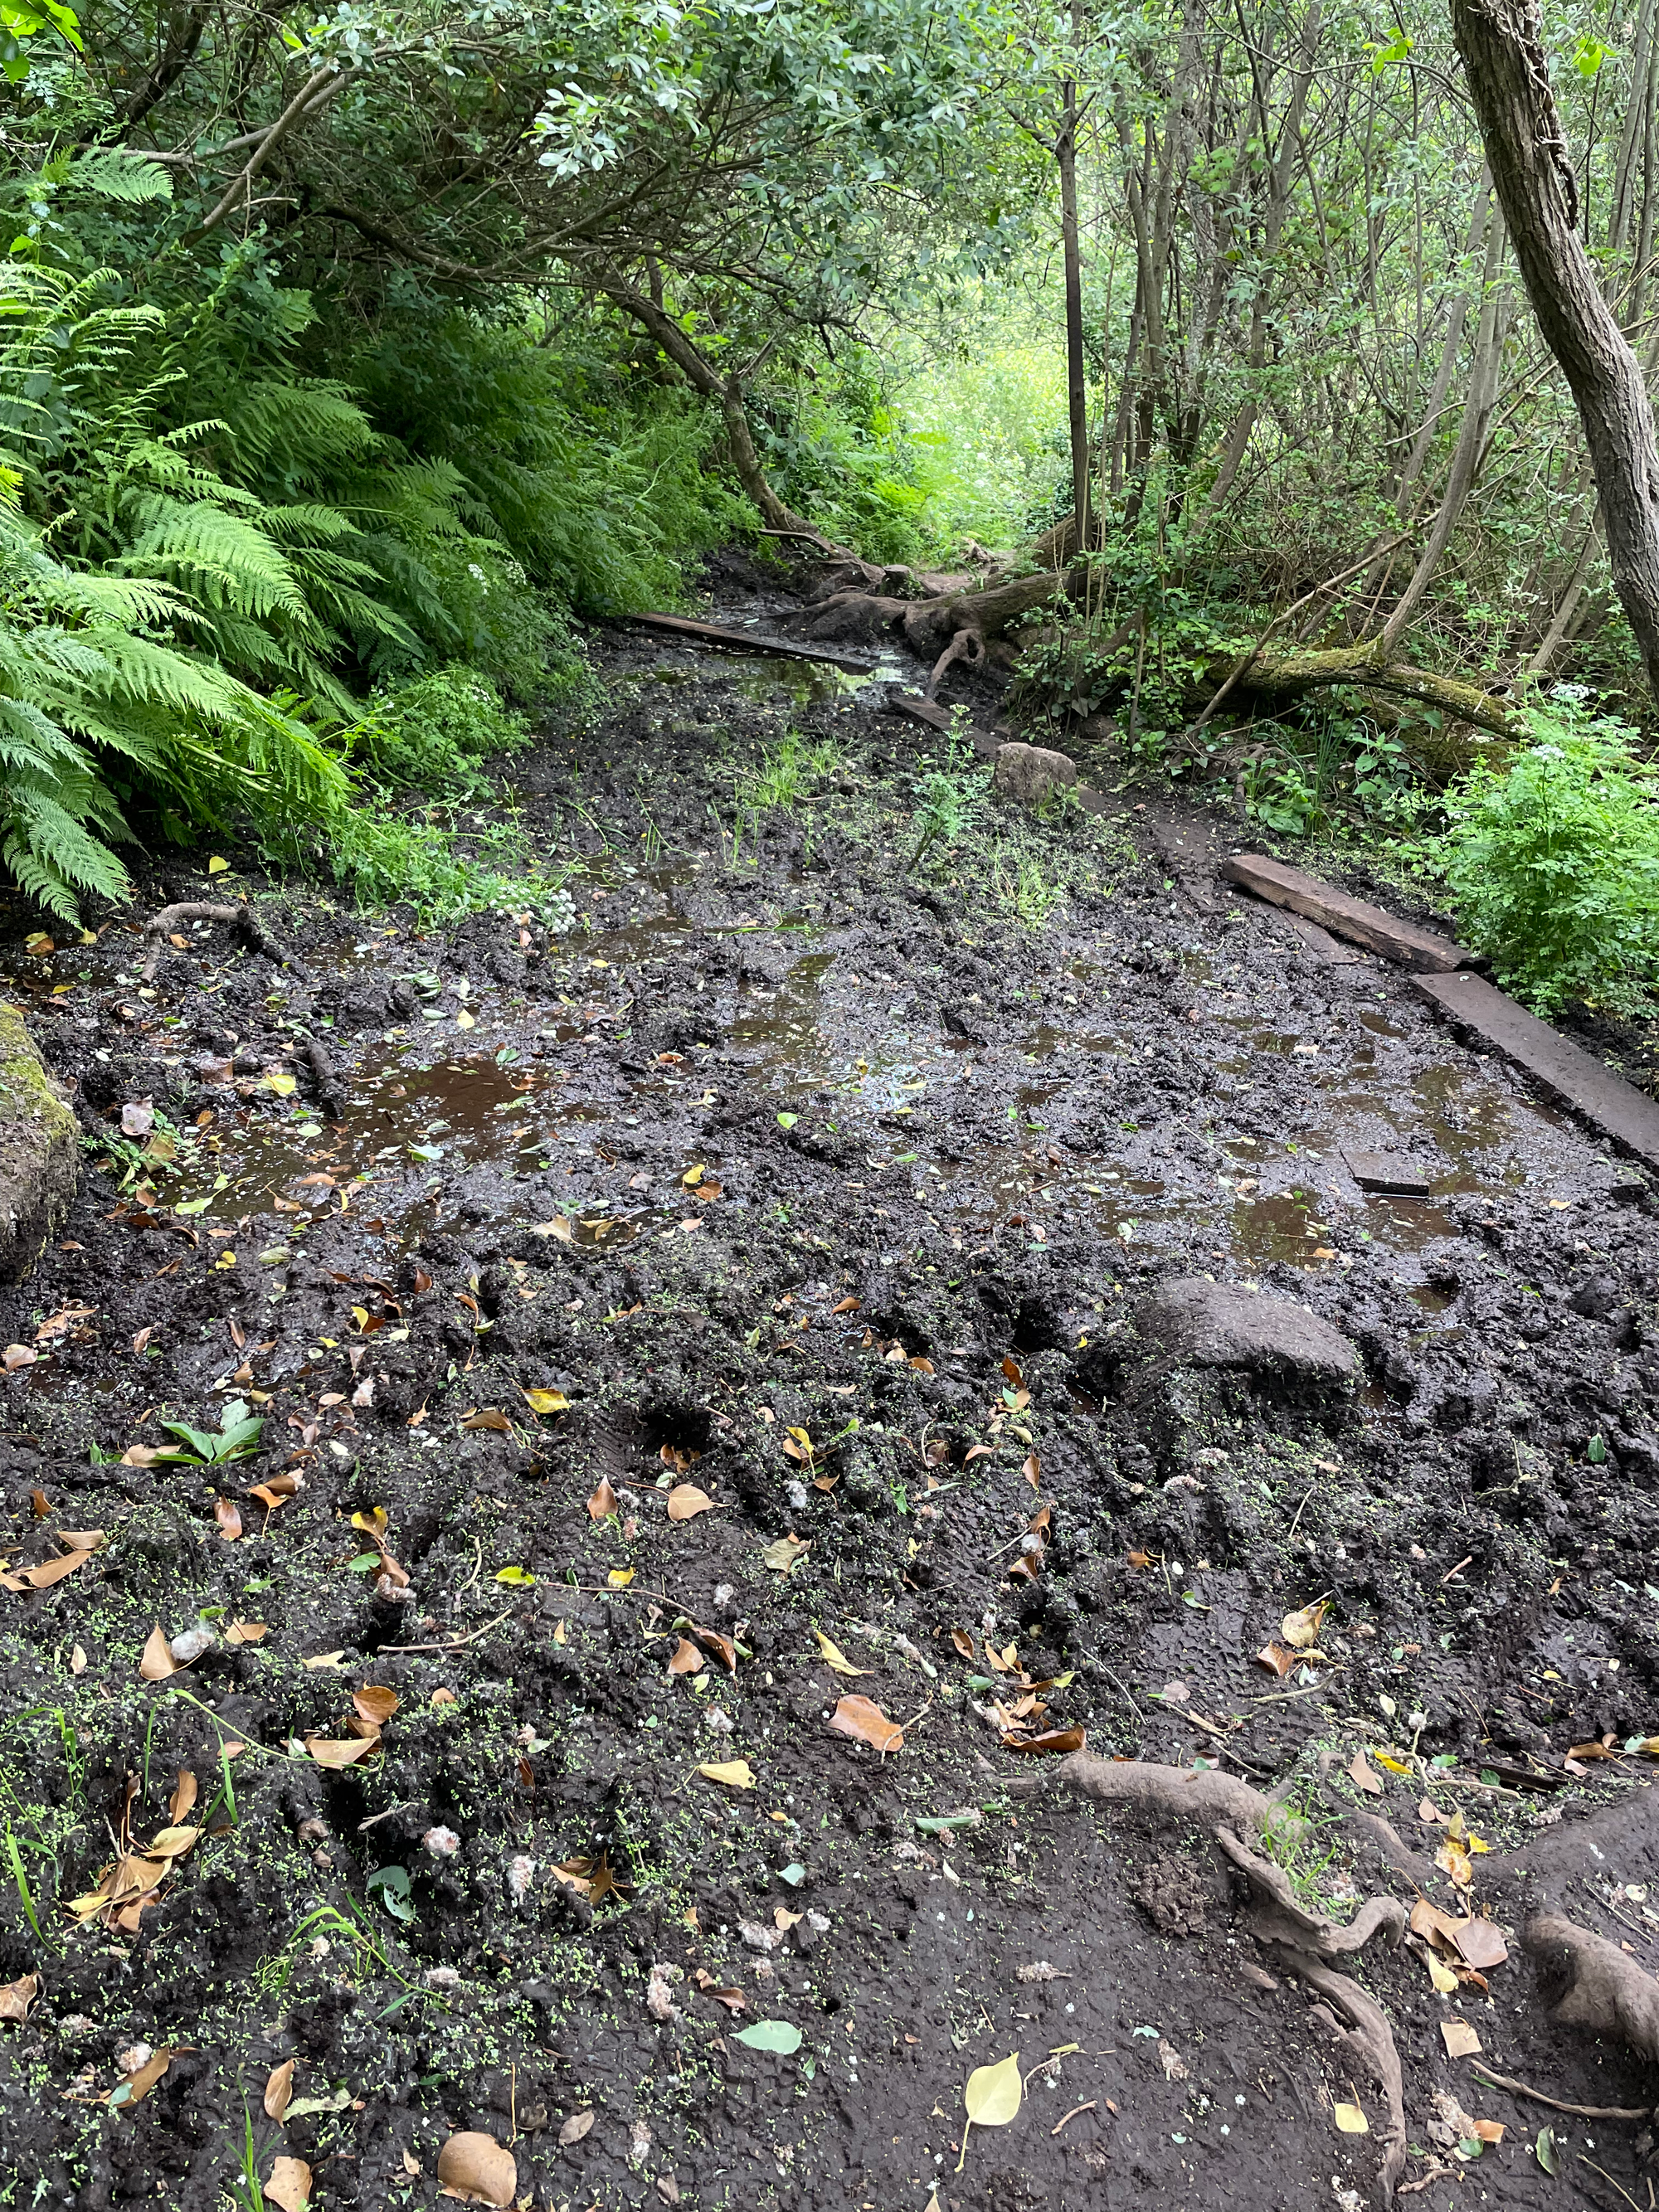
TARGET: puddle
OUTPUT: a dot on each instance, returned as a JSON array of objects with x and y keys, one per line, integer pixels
[{"x": 764, "y": 677}]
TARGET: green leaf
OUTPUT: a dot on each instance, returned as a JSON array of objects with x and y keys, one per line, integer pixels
[
  {"x": 1544, "y": 2150},
  {"x": 787, "y": 1121},
  {"x": 780, "y": 2036}
]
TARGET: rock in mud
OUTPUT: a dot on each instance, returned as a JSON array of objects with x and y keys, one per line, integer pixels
[
  {"x": 40, "y": 1150},
  {"x": 1219, "y": 1325},
  {"x": 1029, "y": 774}
]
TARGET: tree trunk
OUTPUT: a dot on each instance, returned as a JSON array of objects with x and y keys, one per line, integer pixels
[
  {"x": 1076, "y": 392},
  {"x": 1532, "y": 174},
  {"x": 655, "y": 319}
]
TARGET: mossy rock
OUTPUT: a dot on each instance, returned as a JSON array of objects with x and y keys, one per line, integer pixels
[{"x": 40, "y": 1150}]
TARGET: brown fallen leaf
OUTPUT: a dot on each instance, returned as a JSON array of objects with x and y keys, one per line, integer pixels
[
  {"x": 342, "y": 1750},
  {"x": 279, "y": 2088},
  {"x": 719, "y": 1647},
  {"x": 477, "y": 2168},
  {"x": 1490, "y": 2132},
  {"x": 49, "y": 1570},
  {"x": 40, "y": 1504},
  {"x": 962, "y": 1643},
  {"x": 18, "y": 1355},
  {"x": 1460, "y": 2039},
  {"x": 1278, "y": 1659},
  {"x": 246, "y": 1631},
  {"x": 137, "y": 2087},
  {"x": 602, "y": 1502},
  {"x": 864, "y": 1721},
  {"x": 186, "y": 1790},
  {"x": 1429, "y": 1811},
  {"x": 375, "y": 1704},
  {"x": 1591, "y": 1751},
  {"x": 289, "y": 2185},
  {"x": 574, "y": 2129},
  {"x": 229, "y": 1515},
  {"x": 1140, "y": 1558},
  {"x": 686, "y": 1501},
  {"x": 1364, "y": 1775},
  {"x": 491, "y": 1417},
  {"x": 686, "y": 1659},
  {"x": 16, "y": 1997},
  {"x": 156, "y": 1663},
  {"x": 1480, "y": 1943},
  {"x": 1048, "y": 1741},
  {"x": 78, "y": 1660}
]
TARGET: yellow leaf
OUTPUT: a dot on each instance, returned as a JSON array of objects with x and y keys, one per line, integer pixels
[
  {"x": 692, "y": 1176},
  {"x": 1393, "y": 1765},
  {"x": 217, "y": 866},
  {"x": 992, "y": 2097},
  {"x": 1299, "y": 1629},
  {"x": 620, "y": 1578},
  {"x": 279, "y": 1080},
  {"x": 736, "y": 1773},
  {"x": 546, "y": 1401},
  {"x": 1442, "y": 1975},
  {"x": 1351, "y": 2119},
  {"x": 833, "y": 1656}
]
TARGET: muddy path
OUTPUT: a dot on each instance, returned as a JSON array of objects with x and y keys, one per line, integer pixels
[{"x": 737, "y": 1298}]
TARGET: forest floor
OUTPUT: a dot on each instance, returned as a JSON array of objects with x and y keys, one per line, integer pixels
[{"x": 689, "y": 1323}]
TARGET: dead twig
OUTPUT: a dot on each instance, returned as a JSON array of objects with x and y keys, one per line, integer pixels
[
  {"x": 1071, "y": 2115},
  {"x": 454, "y": 1642},
  {"x": 1576, "y": 2111}
]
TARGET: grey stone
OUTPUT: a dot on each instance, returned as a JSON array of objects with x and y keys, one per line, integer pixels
[
  {"x": 1029, "y": 774},
  {"x": 40, "y": 1150},
  {"x": 1219, "y": 1325}
]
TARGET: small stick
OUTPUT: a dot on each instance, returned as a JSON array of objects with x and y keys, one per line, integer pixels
[
  {"x": 1071, "y": 2115},
  {"x": 1576, "y": 2111},
  {"x": 455, "y": 1643},
  {"x": 1608, "y": 2178}
]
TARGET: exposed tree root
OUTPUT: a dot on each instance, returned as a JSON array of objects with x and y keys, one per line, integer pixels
[
  {"x": 331, "y": 1091},
  {"x": 1605, "y": 1991},
  {"x": 1577, "y": 2112},
  {"x": 244, "y": 918},
  {"x": 1284, "y": 1920},
  {"x": 1369, "y": 2042},
  {"x": 967, "y": 646}
]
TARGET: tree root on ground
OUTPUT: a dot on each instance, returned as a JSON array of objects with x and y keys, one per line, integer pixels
[
  {"x": 244, "y": 918},
  {"x": 1577, "y": 2112},
  {"x": 331, "y": 1091},
  {"x": 1369, "y": 2041},
  {"x": 1605, "y": 1991},
  {"x": 1586, "y": 1981}
]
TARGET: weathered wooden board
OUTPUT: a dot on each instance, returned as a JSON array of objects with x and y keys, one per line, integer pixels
[
  {"x": 1628, "y": 1115},
  {"x": 1355, "y": 919}
]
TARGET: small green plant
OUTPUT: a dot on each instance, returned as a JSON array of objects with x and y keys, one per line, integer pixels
[
  {"x": 389, "y": 1887},
  {"x": 1303, "y": 1844},
  {"x": 237, "y": 1435},
  {"x": 1026, "y": 889},
  {"x": 1554, "y": 855},
  {"x": 432, "y": 732},
  {"x": 786, "y": 773}
]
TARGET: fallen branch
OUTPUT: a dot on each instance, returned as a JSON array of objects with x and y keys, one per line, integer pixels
[
  {"x": 167, "y": 918},
  {"x": 330, "y": 1090}
]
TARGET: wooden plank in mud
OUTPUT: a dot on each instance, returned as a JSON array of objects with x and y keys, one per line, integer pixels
[
  {"x": 1422, "y": 950},
  {"x": 1627, "y": 1114},
  {"x": 916, "y": 708},
  {"x": 743, "y": 641}
]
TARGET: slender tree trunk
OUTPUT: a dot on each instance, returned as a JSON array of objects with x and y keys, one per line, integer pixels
[
  {"x": 655, "y": 319},
  {"x": 1532, "y": 174},
  {"x": 1076, "y": 389}
]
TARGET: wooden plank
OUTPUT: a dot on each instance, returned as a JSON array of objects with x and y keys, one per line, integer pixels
[
  {"x": 743, "y": 641},
  {"x": 1386, "y": 1172},
  {"x": 916, "y": 708},
  {"x": 1366, "y": 925},
  {"x": 1321, "y": 941},
  {"x": 1627, "y": 1114}
]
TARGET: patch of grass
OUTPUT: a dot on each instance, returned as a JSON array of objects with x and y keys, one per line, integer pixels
[
  {"x": 1026, "y": 888},
  {"x": 786, "y": 773},
  {"x": 1301, "y": 1843}
]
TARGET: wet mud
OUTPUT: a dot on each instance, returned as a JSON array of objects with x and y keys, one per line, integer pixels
[{"x": 831, "y": 1187}]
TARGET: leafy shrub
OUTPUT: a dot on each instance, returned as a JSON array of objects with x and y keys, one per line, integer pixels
[
  {"x": 430, "y": 732},
  {"x": 1554, "y": 858}
]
